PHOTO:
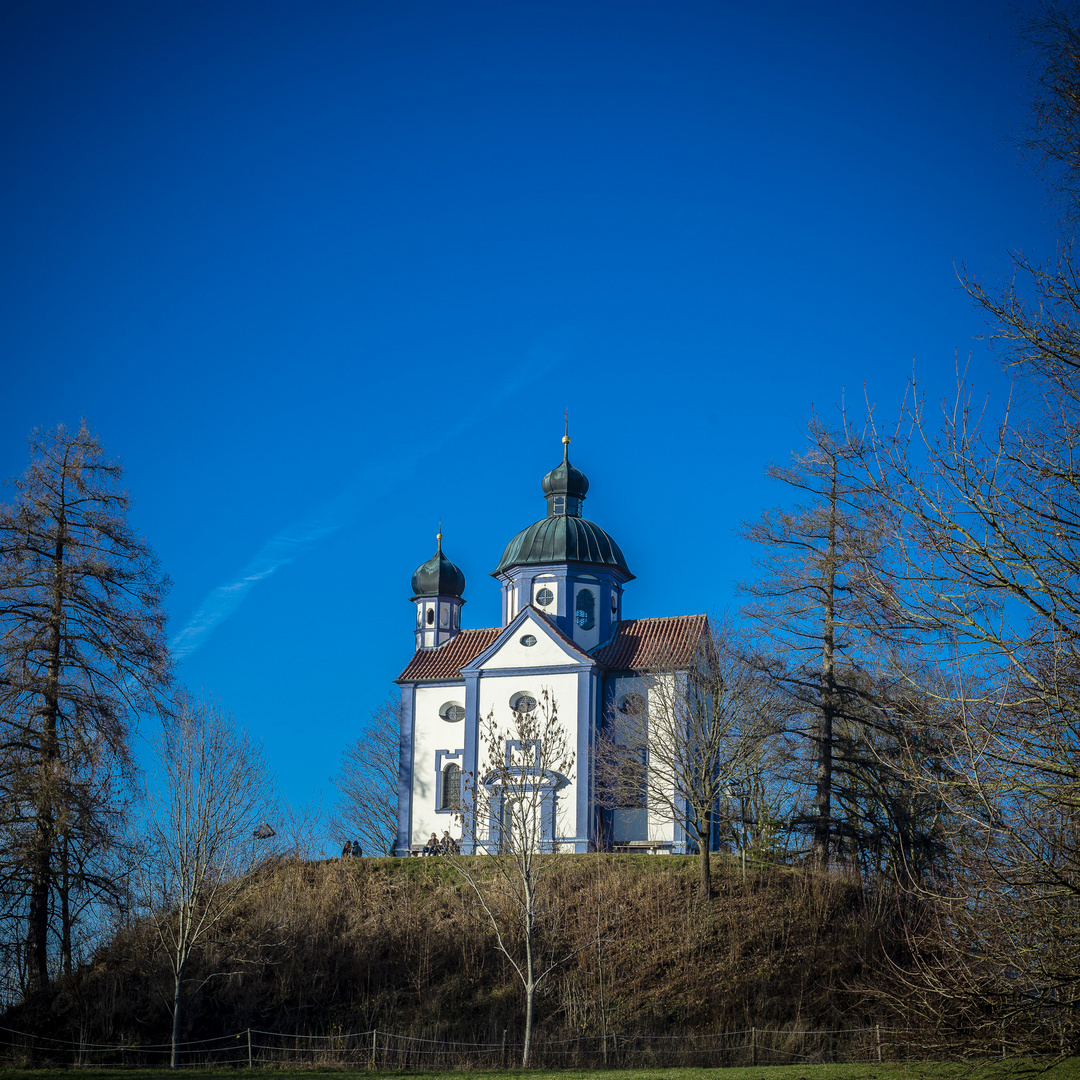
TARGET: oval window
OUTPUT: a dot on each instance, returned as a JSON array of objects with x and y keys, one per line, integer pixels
[
  {"x": 631, "y": 704},
  {"x": 544, "y": 597},
  {"x": 522, "y": 702},
  {"x": 585, "y": 610},
  {"x": 452, "y": 711},
  {"x": 528, "y": 640}
]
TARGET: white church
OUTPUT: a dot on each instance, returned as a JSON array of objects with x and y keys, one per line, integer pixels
[{"x": 563, "y": 634}]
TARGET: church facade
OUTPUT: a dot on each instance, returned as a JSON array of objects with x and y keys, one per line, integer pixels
[{"x": 563, "y": 636}]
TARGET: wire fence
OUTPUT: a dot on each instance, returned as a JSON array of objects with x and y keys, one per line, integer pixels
[{"x": 375, "y": 1049}]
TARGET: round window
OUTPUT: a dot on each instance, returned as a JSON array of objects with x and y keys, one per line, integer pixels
[
  {"x": 528, "y": 640},
  {"x": 452, "y": 712},
  {"x": 523, "y": 703},
  {"x": 631, "y": 704},
  {"x": 544, "y": 597}
]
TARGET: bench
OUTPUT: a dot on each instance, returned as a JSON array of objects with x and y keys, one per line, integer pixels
[{"x": 653, "y": 847}]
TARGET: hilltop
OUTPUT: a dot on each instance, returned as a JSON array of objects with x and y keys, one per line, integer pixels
[{"x": 400, "y": 945}]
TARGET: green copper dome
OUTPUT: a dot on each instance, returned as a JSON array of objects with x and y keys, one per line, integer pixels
[
  {"x": 564, "y": 535},
  {"x": 564, "y": 479},
  {"x": 438, "y": 577},
  {"x": 563, "y": 539}
]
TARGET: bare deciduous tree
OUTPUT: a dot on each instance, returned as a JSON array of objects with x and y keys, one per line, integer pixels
[
  {"x": 368, "y": 781},
  {"x": 686, "y": 736},
  {"x": 510, "y": 838},
  {"x": 208, "y": 801},
  {"x": 983, "y": 510},
  {"x": 82, "y": 650}
]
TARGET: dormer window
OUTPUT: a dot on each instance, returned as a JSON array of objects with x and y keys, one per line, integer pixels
[{"x": 564, "y": 505}]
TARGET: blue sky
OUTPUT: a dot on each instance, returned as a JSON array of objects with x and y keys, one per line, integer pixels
[{"x": 322, "y": 274}]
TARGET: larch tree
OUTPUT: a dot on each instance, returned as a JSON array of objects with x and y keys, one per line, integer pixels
[
  {"x": 82, "y": 654},
  {"x": 810, "y": 601}
]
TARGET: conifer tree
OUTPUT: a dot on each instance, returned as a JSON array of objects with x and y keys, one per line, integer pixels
[
  {"x": 82, "y": 652},
  {"x": 811, "y": 603}
]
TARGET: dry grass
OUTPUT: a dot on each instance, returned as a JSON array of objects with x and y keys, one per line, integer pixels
[
  {"x": 1022, "y": 1070},
  {"x": 400, "y": 946}
]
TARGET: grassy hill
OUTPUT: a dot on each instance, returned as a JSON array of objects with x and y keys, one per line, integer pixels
[{"x": 402, "y": 945}]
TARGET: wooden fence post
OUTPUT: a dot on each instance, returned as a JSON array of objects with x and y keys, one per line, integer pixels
[
  {"x": 753, "y": 1046},
  {"x": 249, "y": 1049},
  {"x": 374, "y": 1045},
  {"x": 879, "y": 1043}
]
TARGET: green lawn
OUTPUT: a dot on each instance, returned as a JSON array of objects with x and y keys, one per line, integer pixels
[{"x": 1066, "y": 1070}]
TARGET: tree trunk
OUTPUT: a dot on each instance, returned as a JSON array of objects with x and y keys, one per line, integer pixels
[
  {"x": 37, "y": 937},
  {"x": 530, "y": 973},
  {"x": 176, "y": 1008},
  {"x": 64, "y": 888},
  {"x": 823, "y": 792},
  {"x": 706, "y": 870},
  {"x": 37, "y": 931},
  {"x": 530, "y": 998}
]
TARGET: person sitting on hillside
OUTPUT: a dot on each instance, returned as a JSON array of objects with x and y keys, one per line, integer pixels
[
  {"x": 357, "y": 850},
  {"x": 432, "y": 846},
  {"x": 449, "y": 844}
]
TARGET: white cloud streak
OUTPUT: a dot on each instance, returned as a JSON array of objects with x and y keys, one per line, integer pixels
[{"x": 297, "y": 538}]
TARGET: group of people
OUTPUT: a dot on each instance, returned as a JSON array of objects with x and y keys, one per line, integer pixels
[
  {"x": 446, "y": 846},
  {"x": 352, "y": 850}
]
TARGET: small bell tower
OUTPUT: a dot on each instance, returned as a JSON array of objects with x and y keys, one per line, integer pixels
[{"x": 437, "y": 586}]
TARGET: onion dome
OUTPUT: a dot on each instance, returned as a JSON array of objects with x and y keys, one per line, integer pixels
[
  {"x": 438, "y": 576},
  {"x": 564, "y": 479},
  {"x": 564, "y": 536}
]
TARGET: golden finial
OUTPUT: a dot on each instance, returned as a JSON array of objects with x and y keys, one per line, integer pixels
[
  {"x": 438, "y": 536},
  {"x": 566, "y": 435}
]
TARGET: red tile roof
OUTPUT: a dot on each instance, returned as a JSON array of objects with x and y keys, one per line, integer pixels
[
  {"x": 653, "y": 644},
  {"x": 447, "y": 660},
  {"x": 638, "y": 645}
]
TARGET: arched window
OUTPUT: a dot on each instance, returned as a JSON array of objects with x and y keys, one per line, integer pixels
[
  {"x": 630, "y": 783},
  {"x": 585, "y": 610},
  {"x": 451, "y": 788}
]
